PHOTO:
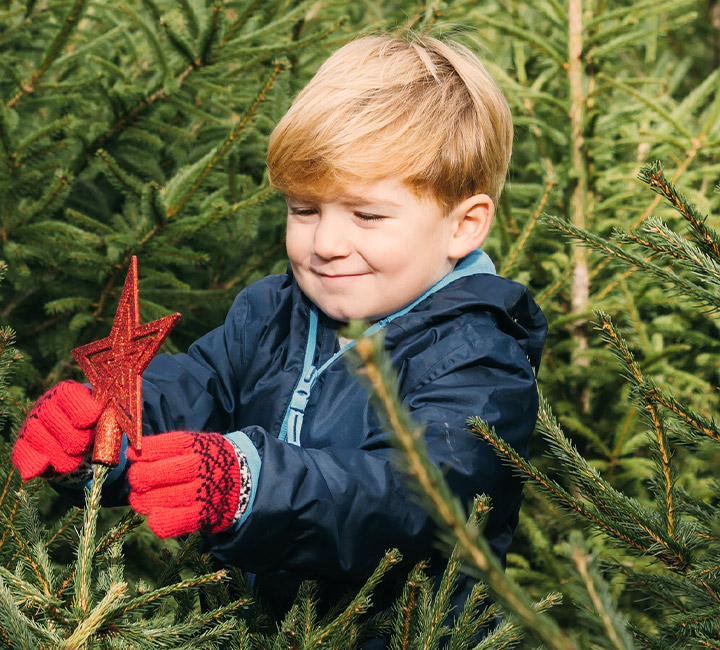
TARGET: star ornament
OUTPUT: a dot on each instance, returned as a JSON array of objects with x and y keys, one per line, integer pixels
[{"x": 114, "y": 366}]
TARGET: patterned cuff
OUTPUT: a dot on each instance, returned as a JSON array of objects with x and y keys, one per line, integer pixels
[
  {"x": 78, "y": 478},
  {"x": 82, "y": 477},
  {"x": 245, "y": 484}
]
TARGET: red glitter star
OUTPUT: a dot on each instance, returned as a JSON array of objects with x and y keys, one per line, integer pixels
[{"x": 113, "y": 366}]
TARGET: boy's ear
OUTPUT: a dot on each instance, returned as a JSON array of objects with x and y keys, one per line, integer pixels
[{"x": 473, "y": 218}]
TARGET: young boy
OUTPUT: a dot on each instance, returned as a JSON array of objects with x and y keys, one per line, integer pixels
[{"x": 391, "y": 161}]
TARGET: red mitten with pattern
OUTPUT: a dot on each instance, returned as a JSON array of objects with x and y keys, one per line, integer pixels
[
  {"x": 186, "y": 481},
  {"x": 58, "y": 432}
]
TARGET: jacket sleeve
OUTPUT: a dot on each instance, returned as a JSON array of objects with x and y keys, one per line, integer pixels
[
  {"x": 197, "y": 391},
  {"x": 333, "y": 511}
]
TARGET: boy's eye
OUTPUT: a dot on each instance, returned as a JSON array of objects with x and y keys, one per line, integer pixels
[
  {"x": 303, "y": 212},
  {"x": 369, "y": 217}
]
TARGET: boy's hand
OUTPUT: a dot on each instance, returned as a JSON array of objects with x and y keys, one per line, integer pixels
[
  {"x": 58, "y": 432},
  {"x": 186, "y": 482}
]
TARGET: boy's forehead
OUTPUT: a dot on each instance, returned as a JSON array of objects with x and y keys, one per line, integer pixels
[
  {"x": 388, "y": 192},
  {"x": 349, "y": 197}
]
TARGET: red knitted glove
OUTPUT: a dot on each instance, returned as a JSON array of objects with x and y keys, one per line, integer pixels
[
  {"x": 186, "y": 482},
  {"x": 58, "y": 431}
]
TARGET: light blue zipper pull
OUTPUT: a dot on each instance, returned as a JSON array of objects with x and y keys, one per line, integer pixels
[{"x": 299, "y": 401}]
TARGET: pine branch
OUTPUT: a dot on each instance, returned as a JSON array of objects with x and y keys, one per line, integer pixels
[
  {"x": 605, "y": 44},
  {"x": 652, "y": 245},
  {"x": 615, "y": 629},
  {"x": 511, "y": 256},
  {"x": 191, "y": 18},
  {"x": 19, "y": 630},
  {"x": 128, "y": 118},
  {"x": 445, "y": 506},
  {"x": 32, "y": 532},
  {"x": 27, "y": 593},
  {"x": 69, "y": 25},
  {"x": 644, "y": 8},
  {"x": 307, "y": 596},
  {"x": 406, "y": 608},
  {"x": 8, "y": 522},
  {"x": 265, "y": 52},
  {"x": 696, "y": 421},
  {"x": 96, "y": 618},
  {"x": 118, "y": 176},
  {"x": 26, "y": 553},
  {"x": 269, "y": 26},
  {"x": 654, "y": 176},
  {"x": 157, "y": 594},
  {"x": 198, "y": 172},
  {"x": 649, "y": 102},
  {"x": 130, "y": 521},
  {"x": 696, "y": 145},
  {"x": 469, "y": 624},
  {"x": 543, "y": 45},
  {"x": 152, "y": 38},
  {"x": 197, "y": 623},
  {"x": 86, "y": 544},
  {"x": 680, "y": 284},
  {"x": 12, "y": 474},
  {"x": 613, "y": 512},
  {"x": 562, "y": 496},
  {"x": 359, "y": 604},
  {"x": 652, "y": 412},
  {"x": 432, "y": 628},
  {"x": 240, "y": 22},
  {"x": 52, "y": 197}
]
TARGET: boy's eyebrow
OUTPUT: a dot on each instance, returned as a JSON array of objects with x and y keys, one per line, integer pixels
[
  {"x": 349, "y": 199},
  {"x": 361, "y": 199}
]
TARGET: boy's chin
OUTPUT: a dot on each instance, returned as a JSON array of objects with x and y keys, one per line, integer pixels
[{"x": 347, "y": 315}]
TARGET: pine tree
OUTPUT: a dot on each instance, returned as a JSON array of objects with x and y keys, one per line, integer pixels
[
  {"x": 598, "y": 90},
  {"x": 89, "y": 603}
]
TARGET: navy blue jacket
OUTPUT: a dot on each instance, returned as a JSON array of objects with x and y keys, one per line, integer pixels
[{"x": 328, "y": 498}]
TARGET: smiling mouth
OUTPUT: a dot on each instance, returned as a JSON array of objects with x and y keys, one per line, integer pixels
[{"x": 338, "y": 276}]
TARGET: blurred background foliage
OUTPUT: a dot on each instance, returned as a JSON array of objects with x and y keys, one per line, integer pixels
[{"x": 139, "y": 128}]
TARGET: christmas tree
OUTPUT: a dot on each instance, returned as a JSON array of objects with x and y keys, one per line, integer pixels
[{"x": 140, "y": 128}]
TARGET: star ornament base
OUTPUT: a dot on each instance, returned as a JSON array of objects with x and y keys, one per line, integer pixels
[
  {"x": 108, "y": 439},
  {"x": 114, "y": 366}
]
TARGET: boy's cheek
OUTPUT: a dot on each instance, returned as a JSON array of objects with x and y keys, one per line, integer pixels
[{"x": 297, "y": 242}]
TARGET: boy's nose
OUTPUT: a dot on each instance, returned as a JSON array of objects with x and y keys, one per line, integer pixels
[{"x": 330, "y": 239}]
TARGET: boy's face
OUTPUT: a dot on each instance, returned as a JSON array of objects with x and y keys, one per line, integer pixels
[{"x": 370, "y": 250}]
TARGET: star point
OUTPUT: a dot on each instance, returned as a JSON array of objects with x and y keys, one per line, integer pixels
[{"x": 114, "y": 365}]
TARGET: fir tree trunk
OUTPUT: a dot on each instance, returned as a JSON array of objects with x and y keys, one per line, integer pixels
[{"x": 581, "y": 278}]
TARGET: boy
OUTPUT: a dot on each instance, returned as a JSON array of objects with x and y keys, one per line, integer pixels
[{"x": 391, "y": 161}]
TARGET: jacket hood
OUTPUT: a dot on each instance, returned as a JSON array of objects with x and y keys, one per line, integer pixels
[
  {"x": 472, "y": 286},
  {"x": 508, "y": 303}
]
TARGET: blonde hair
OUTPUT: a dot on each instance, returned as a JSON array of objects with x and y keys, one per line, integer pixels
[{"x": 416, "y": 108}]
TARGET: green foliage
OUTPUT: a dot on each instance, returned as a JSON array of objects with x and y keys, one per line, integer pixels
[
  {"x": 11, "y": 397},
  {"x": 44, "y": 604},
  {"x": 673, "y": 528},
  {"x": 139, "y": 128},
  {"x": 598, "y": 90}
]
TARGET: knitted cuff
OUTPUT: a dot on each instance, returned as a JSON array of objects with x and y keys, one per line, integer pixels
[
  {"x": 245, "y": 485},
  {"x": 77, "y": 478}
]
